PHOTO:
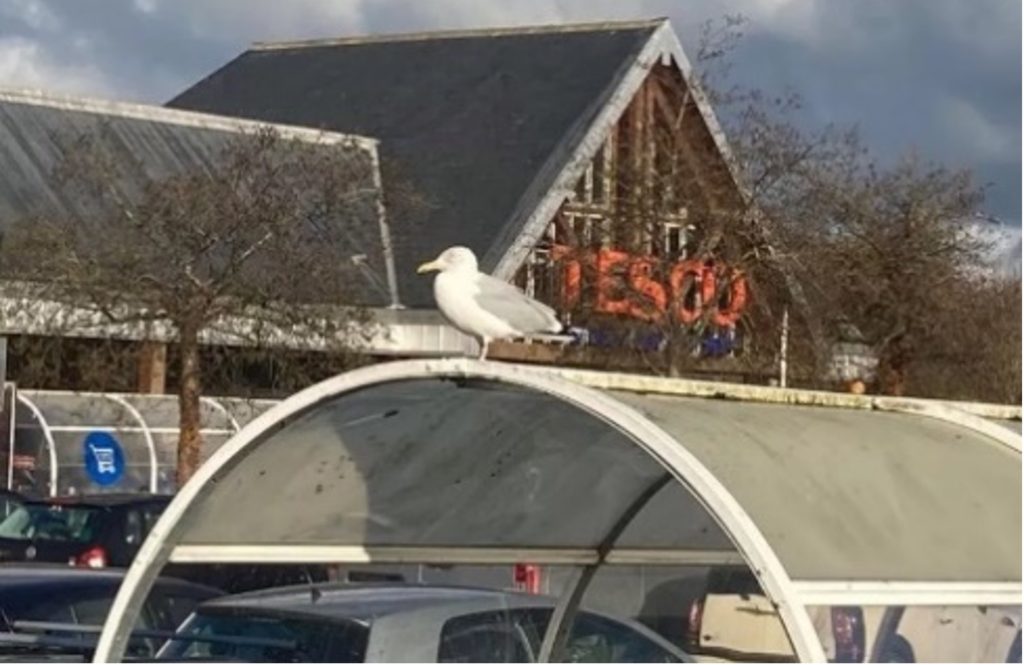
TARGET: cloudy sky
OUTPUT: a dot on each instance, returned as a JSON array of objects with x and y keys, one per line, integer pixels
[{"x": 940, "y": 76}]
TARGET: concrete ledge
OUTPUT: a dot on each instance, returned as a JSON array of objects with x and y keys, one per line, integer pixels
[{"x": 754, "y": 393}]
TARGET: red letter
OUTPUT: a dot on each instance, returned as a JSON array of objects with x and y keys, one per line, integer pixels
[
  {"x": 607, "y": 259},
  {"x": 652, "y": 301},
  {"x": 688, "y": 315}
]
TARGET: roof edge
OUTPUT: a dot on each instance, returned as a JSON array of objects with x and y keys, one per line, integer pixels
[
  {"x": 460, "y": 34},
  {"x": 136, "y": 111},
  {"x": 744, "y": 392},
  {"x": 558, "y": 176}
]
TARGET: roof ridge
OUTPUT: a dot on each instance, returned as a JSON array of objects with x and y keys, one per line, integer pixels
[
  {"x": 593, "y": 26},
  {"x": 153, "y": 112}
]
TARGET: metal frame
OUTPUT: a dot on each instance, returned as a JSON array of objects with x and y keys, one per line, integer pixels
[
  {"x": 9, "y": 387},
  {"x": 223, "y": 410},
  {"x": 674, "y": 457},
  {"x": 142, "y": 427},
  {"x": 908, "y": 593},
  {"x": 957, "y": 412},
  {"x": 564, "y": 614},
  {"x": 146, "y": 434},
  {"x": 133, "y": 430},
  {"x": 47, "y": 435},
  {"x": 181, "y": 117},
  {"x": 483, "y": 556}
]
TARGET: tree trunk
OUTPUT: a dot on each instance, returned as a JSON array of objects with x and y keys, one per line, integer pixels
[
  {"x": 892, "y": 372},
  {"x": 190, "y": 440},
  {"x": 672, "y": 355}
]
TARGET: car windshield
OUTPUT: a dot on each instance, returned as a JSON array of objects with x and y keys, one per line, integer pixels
[
  {"x": 255, "y": 637},
  {"x": 8, "y": 504},
  {"x": 42, "y": 521}
]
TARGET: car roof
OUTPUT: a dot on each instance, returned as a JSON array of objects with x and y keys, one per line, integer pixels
[
  {"x": 24, "y": 576},
  {"x": 363, "y": 602},
  {"x": 104, "y": 500},
  {"x": 369, "y": 603}
]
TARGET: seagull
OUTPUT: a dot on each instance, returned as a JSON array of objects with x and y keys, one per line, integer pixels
[{"x": 483, "y": 306}]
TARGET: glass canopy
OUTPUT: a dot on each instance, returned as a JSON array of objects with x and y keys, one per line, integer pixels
[{"x": 831, "y": 511}]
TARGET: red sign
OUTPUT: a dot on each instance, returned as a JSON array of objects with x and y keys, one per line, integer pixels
[
  {"x": 649, "y": 299},
  {"x": 526, "y": 577}
]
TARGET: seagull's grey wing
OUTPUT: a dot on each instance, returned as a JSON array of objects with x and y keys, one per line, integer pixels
[{"x": 515, "y": 307}]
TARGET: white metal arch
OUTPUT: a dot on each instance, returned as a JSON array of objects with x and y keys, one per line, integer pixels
[
  {"x": 48, "y": 436},
  {"x": 217, "y": 406},
  {"x": 150, "y": 444},
  {"x": 950, "y": 414},
  {"x": 675, "y": 458}
]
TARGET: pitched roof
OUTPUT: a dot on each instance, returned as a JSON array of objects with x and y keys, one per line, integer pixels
[
  {"x": 478, "y": 122},
  {"x": 163, "y": 142}
]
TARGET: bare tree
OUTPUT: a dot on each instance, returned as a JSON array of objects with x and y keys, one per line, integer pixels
[
  {"x": 884, "y": 248},
  {"x": 879, "y": 246},
  {"x": 660, "y": 245},
  {"x": 255, "y": 245},
  {"x": 972, "y": 348}
]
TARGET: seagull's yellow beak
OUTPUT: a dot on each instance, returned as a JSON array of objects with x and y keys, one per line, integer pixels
[{"x": 429, "y": 266}]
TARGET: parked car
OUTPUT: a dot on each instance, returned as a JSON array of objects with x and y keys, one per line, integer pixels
[
  {"x": 962, "y": 633},
  {"x": 108, "y": 529},
  {"x": 397, "y": 623},
  {"x": 734, "y": 619},
  {"x": 42, "y": 606},
  {"x": 9, "y": 502},
  {"x": 90, "y": 531}
]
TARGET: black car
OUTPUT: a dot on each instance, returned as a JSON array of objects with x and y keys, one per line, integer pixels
[
  {"x": 90, "y": 531},
  {"x": 43, "y": 606},
  {"x": 108, "y": 530}
]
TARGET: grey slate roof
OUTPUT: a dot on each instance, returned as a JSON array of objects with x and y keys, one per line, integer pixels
[
  {"x": 35, "y": 127},
  {"x": 467, "y": 120}
]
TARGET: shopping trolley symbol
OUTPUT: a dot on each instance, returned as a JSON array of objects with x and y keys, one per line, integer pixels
[{"x": 104, "y": 458}]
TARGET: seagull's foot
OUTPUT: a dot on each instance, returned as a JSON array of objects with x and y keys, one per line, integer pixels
[{"x": 483, "y": 350}]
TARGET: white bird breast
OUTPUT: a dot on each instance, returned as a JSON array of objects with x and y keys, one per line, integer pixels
[{"x": 455, "y": 297}]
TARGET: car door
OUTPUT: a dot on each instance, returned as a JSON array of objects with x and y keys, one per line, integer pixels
[
  {"x": 487, "y": 637},
  {"x": 737, "y": 619},
  {"x": 597, "y": 639},
  {"x": 515, "y": 635}
]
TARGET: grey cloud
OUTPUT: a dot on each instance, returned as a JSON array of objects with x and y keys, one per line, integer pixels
[{"x": 941, "y": 75}]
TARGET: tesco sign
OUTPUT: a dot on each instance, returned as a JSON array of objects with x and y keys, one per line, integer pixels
[{"x": 649, "y": 299}]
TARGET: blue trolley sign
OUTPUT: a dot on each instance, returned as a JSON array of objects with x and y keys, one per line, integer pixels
[{"x": 104, "y": 458}]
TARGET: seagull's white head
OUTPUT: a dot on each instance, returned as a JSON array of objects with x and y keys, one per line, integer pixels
[{"x": 453, "y": 259}]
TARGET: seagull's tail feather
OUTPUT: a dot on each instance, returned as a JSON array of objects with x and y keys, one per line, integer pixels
[{"x": 564, "y": 334}]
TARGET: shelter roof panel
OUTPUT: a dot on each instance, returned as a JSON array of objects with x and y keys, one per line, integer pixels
[{"x": 860, "y": 495}]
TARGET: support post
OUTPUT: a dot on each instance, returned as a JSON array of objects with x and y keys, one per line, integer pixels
[
  {"x": 562, "y": 618},
  {"x": 6, "y": 415},
  {"x": 152, "y": 368},
  {"x": 784, "y": 349},
  {"x": 9, "y": 425},
  {"x": 3, "y": 360}
]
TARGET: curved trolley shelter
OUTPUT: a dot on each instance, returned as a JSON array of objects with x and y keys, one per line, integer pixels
[
  {"x": 459, "y": 461},
  {"x": 50, "y": 427}
]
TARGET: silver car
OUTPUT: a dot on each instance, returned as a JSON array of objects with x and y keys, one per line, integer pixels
[{"x": 401, "y": 623}]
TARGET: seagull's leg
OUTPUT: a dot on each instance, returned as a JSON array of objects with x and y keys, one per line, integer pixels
[{"x": 483, "y": 348}]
